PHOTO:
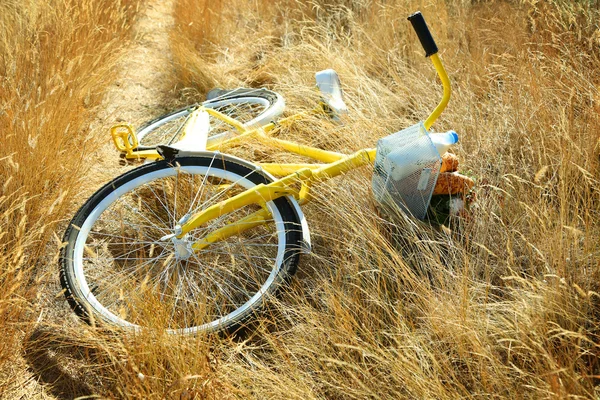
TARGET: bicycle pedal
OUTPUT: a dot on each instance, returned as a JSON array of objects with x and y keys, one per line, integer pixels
[{"x": 124, "y": 138}]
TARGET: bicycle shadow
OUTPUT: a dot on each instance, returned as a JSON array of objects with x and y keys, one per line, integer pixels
[{"x": 63, "y": 366}]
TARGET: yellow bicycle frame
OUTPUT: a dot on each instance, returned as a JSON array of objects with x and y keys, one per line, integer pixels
[{"x": 294, "y": 175}]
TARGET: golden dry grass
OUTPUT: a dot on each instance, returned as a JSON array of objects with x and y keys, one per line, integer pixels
[
  {"x": 504, "y": 305},
  {"x": 56, "y": 60}
]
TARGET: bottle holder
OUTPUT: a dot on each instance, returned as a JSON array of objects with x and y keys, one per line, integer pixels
[{"x": 406, "y": 169}]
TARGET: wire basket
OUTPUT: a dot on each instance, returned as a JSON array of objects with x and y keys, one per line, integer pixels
[{"x": 407, "y": 166}]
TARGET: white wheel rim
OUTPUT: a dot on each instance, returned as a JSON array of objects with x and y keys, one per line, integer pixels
[
  {"x": 138, "y": 182},
  {"x": 262, "y": 117}
]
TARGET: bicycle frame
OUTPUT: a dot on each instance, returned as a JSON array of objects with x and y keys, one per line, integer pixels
[
  {"x": 302, "y": 175},
  {"x": 297, "y": 179}
]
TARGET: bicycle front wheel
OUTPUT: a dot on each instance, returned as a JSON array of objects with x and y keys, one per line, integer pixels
[
  {"x": 121, "y": 267},
  {"x": 251, "y": 107}
]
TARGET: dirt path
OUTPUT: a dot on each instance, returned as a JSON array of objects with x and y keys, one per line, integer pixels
[
  {"x": 143, "y": 90},
  {"x": 146, "y": 73},
  {"x": 145, "y": 85}
]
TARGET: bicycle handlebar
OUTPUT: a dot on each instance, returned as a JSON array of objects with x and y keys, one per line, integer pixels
[{"x": 420, "y": 27}]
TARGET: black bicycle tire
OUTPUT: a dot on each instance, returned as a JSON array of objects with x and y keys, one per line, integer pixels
[{"x": 292, "y": 236}]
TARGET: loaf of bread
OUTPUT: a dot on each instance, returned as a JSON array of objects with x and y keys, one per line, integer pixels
[
  {"x": 449, "y": 162},
  {"x": 452, "y": 183}
]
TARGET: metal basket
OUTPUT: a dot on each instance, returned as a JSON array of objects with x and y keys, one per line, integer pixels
[{"x": 407, "y": 166}]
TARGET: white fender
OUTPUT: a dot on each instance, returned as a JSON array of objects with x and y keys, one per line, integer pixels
[{"x": 196, "y": 132}]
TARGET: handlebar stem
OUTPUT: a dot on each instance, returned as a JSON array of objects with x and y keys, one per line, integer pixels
[
  {"x": 439, "y": 67},
  {"x": 422, "y": 30}
]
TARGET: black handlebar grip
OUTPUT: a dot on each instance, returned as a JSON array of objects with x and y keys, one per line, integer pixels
[{"x": 420, "y": 26}]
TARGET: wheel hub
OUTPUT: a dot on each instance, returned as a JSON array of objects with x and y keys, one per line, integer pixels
[{"x": 183, "y": 247}]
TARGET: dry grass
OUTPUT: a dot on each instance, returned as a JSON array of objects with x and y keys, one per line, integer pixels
[
  {"x": 504, "y": 305},
  {"x": 56, "y": 60}
]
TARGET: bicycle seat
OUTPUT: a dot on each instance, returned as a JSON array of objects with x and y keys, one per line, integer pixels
[{"x": 330, "y": 87}]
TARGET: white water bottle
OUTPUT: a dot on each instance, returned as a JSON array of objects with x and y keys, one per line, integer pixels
[
  {"x": 443, "y": 141},
  {"x": 399, "y": 164}
]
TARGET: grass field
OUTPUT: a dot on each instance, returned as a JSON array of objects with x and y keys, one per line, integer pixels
[{"x": 502, "y": 305}]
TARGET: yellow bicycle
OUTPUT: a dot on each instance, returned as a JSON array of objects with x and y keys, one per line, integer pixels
[{"x": 200, "y": 238}]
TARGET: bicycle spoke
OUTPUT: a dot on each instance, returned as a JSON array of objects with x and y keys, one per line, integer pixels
[
  {"x": 138, "y": 271},
  {"x": 202, "y": 185}
]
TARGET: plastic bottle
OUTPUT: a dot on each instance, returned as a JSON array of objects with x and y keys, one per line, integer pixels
[
  {"x": 399, "y": 164},
  {"x": 443, "y": 141}
]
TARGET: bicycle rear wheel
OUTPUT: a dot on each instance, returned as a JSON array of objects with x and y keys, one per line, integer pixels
[
  {"x": 118, "y": 268},
  {"x": 251, "y": 107}
]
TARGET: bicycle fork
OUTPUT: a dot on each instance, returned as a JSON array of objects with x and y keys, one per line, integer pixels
[{"x": 261, "y": 194}]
